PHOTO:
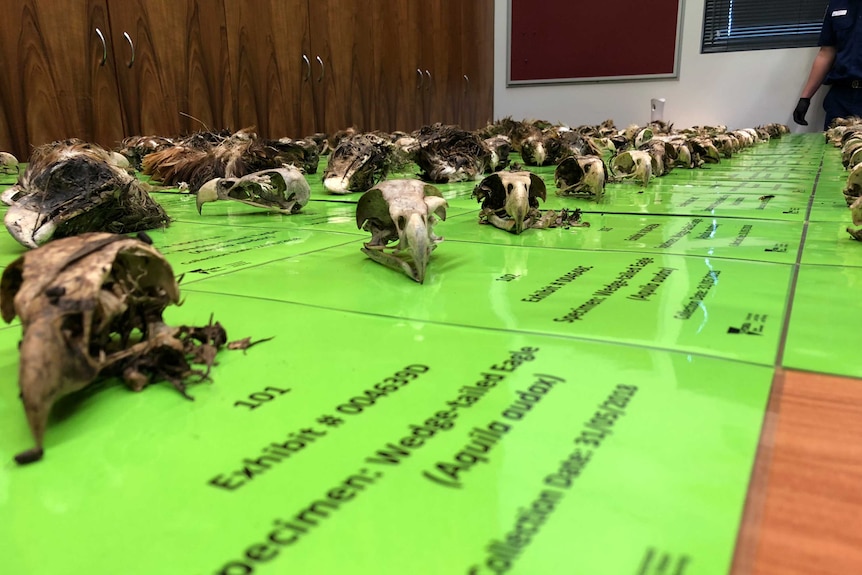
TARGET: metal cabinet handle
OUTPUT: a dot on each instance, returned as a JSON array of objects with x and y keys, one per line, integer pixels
[
  {"x": 322, "y": 69},
  {"x": 421, "y": 78},
  {"x": 467, "y": 78},
  {"x": 307, "y": 68},
  {"x": 132, "y": 46},
  {"x": 104, "y": 47},
  {"x": 428, "y": 87}
]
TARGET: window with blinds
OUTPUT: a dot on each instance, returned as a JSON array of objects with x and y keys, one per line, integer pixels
[{"x": 734, "y": 25}]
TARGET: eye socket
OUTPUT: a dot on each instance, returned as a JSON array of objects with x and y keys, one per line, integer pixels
[
  {"x": 73, "y": 324},
  {"x": 509, "y": 187},
  {"x": 402, "y": 221}
]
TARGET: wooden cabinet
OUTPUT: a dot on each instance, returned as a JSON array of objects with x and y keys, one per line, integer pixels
[
  {"x": 101, "y": 70},
  {"x": 271, "y": 62},
  {"x": 450, "y": 46},
  {"x": 377, "y": 65},
  {"x": 477, "y": 65},
  {"x": 171, "y": 63},
  {"x": 342, "y": 37},
  {"x": 398, "y": 78},
  {"x": 57, "y": 84}
]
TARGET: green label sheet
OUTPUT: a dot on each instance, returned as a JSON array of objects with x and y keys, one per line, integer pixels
[
  {"x": 832, "y": 325},
  {"x": 366, "y": 445},
  {"x": 586, "y": 399}
]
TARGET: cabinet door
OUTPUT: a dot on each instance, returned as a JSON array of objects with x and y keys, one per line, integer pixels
[
  {"x": 171, "y": 63},
  {"x": 342, "y": 37},
  {"x": 399, "y": 81},
  {"x": 59, "y": 78},
  {"x": 440, "y": 40},
  {"x": 477, "y": 64},
  {"x": 271, "y": 65}
]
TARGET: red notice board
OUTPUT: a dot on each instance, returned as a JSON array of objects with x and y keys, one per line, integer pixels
[{"x": 578, "y": 40}]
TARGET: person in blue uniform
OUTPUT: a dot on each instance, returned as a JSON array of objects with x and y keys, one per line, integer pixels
[{"x": 837, "y": 64}]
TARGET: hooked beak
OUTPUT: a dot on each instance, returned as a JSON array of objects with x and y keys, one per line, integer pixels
[
  {"x": 337, "y": 184},
  {"x": 416, "y": 238},
  {"x": 517, "y": 205},
  {"x": 30, "y": 228},
  {"x": 207, "y": 193}
]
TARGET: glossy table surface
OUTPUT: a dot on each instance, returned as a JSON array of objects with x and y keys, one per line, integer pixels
[{"x": 670, "y": 390}]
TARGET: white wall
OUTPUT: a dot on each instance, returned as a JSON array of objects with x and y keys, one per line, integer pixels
[{"x": 738, "y": 89}]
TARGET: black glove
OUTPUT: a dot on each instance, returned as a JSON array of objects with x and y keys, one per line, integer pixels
[{"x": 800, "y": 111}]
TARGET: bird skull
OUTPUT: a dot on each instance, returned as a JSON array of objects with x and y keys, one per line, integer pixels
[
  {"x": 662, "y": 156},
  {"x": 510, "y": 200},
  {"x": 705, "y": 150},
  {"x": 8, "y": 163},
  {"x": 581, "y": 176},
  {"x": 500, "y": 147},
  {"x": 856, "y": 211},
  {"x": 848, "y": 150},
  {"x": 853, "y": 189},
  {"x": 402, "y": 211},
  {"x": 284, "y": 190},
  {"x": 633, "y": 164}
]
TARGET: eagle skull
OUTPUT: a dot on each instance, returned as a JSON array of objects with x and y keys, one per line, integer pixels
[
  {"x": 633, "y": 164},
  {"x": 402, "y": 211},
  {"x": 283, "y": 190},
  {"x": 581, "y": 176},
  {"x": 510, "y": 201}
]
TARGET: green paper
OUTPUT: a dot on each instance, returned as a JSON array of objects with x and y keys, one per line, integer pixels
[
  {"x": 805, "y": 177},
  {"x": 613, "y": 443},
  {"x": 757, "y": 200},
  {"x": 698, "y": 305},
  {"x": 796, "y": 163},
  {"x": 723, "y": 186},
  {"x": 758, "y": 240},
  {"x": 828, "y": 243},
  {"x": 832, "y": 327},
  {"x": 830, "y": 211},
  {"x": 333, "y": 216},
  {"x": 696, "y": 201},
  {"x": 206, "y": 250}
]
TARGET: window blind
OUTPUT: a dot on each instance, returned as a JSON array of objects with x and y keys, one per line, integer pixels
[{"x": 735, "y": 25}]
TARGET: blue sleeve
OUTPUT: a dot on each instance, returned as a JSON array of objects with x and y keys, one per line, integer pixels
[{"x": 827, "y": 33}]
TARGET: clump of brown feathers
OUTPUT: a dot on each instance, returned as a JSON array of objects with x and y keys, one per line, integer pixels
[
  {"x": 449, "y": 154},
  {"x": 134, "y": 148},
  {"x": 358, "y": 163},
  {"x": 206, "y": 155}
]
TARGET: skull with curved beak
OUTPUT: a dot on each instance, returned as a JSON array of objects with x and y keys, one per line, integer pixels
[
  {"x": 633, "y": 164},
  {"x": 582, "y": 176},
  {"x": 283, "y": 190},
  {"x": 510, "y": 201},
  {"x": 8, "y": 163},
  {"x": 402, "y": 211},
  {"x": 853, "y": 189}
]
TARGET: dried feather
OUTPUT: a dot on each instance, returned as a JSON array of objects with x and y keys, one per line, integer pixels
[{"x": 450, "y": 154}]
